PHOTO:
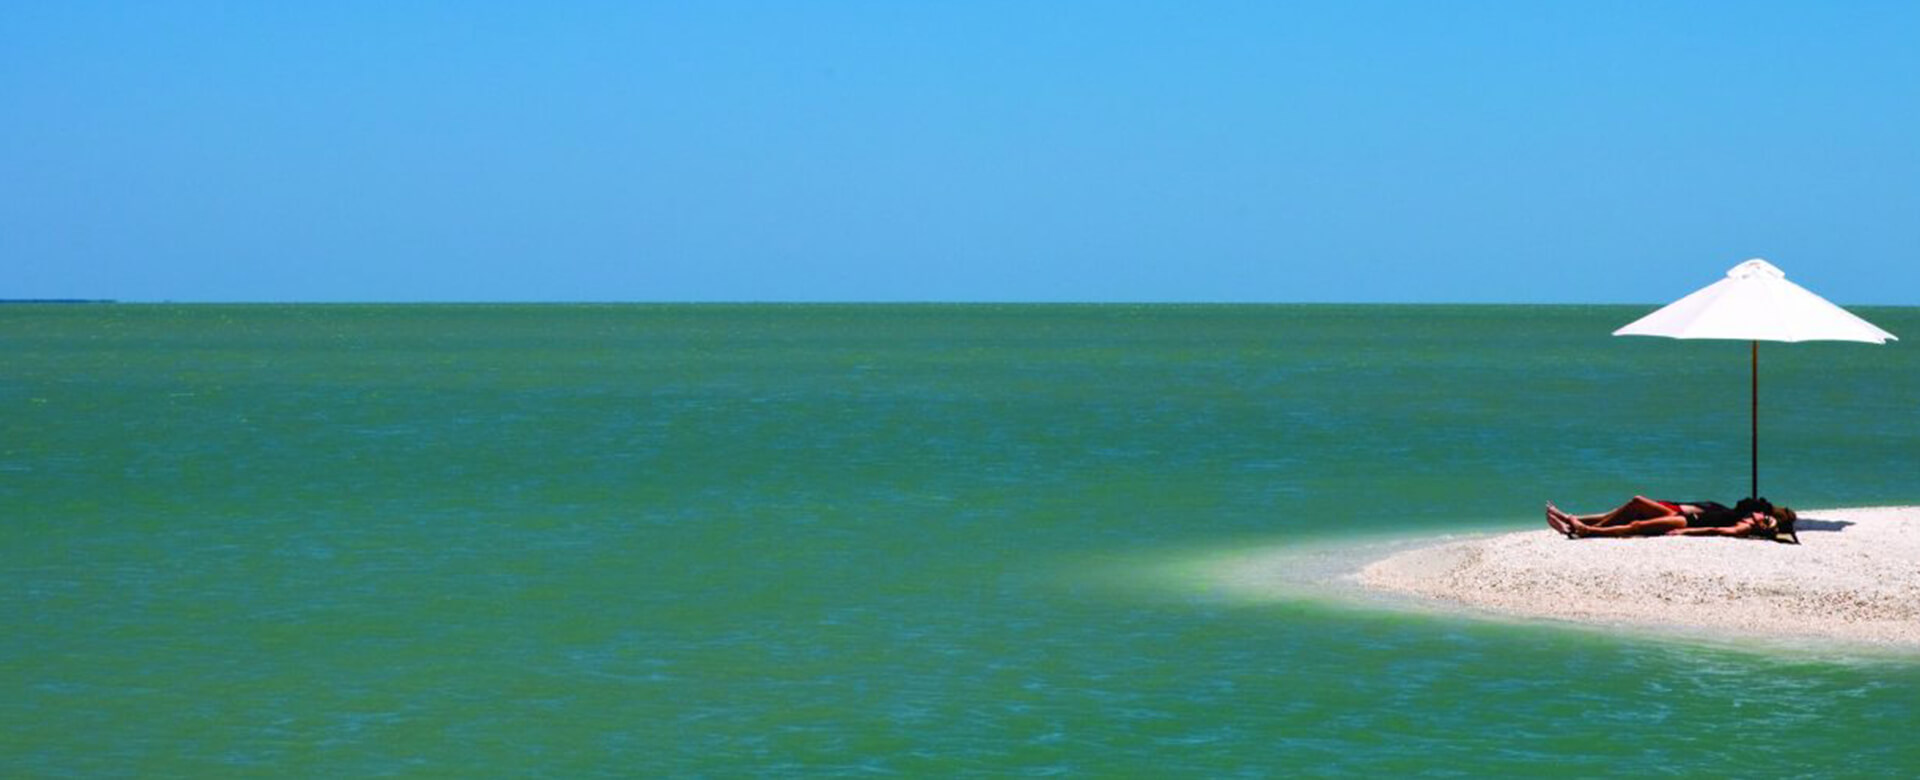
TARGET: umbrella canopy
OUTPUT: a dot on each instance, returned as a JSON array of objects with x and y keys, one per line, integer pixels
[{"x": 1755, "y": 303}]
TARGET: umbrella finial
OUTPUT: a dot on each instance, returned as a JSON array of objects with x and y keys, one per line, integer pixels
[{"x": 1753, "y": 268}]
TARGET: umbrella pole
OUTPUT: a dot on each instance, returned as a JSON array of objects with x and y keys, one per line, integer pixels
[{"x": 1754, "y": 416}]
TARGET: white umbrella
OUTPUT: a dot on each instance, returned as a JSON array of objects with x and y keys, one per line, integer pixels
[{"x": 1755, "y": 303}]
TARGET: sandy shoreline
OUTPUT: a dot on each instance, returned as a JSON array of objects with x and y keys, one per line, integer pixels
[{"x": 1856, "y": 578}]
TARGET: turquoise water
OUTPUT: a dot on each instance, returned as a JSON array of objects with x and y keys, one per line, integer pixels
[{"x": 567, "y": 540}]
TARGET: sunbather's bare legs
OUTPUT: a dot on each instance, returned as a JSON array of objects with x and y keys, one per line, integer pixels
[
  {"x": 1649, "y": 527},
  {"x": 1640, "y": 517},
  {"x": 1640, "y": 508}
]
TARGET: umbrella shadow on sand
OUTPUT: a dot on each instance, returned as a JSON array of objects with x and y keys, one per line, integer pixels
[{"x": 1816, "y": 525}]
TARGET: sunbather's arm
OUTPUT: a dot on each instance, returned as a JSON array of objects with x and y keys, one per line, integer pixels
[{"x": 1742, "y": 528}]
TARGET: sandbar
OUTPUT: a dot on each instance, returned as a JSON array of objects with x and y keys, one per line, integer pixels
[{"x": 1855, "y": 578}]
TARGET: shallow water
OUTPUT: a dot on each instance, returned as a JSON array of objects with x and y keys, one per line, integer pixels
[{"x": 914, "y": 539}]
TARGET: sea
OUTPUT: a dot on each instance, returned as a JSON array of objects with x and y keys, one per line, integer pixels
[{"x": 913, "y": 540}]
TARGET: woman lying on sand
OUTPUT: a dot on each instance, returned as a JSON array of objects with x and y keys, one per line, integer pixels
[{"x": 1754, "y": 517}]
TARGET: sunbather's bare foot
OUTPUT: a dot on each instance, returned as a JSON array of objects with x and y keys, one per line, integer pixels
[
  {"x": 1562, "y": 522},
  {"x": 1553, "y": 520}
]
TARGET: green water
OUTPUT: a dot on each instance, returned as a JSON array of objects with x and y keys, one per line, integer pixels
[{"x": 578, "y": 540}]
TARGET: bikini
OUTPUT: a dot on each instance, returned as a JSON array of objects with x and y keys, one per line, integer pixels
[{"x": 1712, "y": 514}]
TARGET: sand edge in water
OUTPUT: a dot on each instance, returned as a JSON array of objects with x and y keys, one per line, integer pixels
[{"x": 1855, "y": 578}]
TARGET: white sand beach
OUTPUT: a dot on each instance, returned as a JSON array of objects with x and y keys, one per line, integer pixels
[{"x": 1856, "y": 577}]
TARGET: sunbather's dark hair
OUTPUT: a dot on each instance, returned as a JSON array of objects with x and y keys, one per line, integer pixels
[{"x": 1783, "y": 520}]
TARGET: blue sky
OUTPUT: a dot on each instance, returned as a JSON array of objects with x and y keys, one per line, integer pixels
[{"x": 964, "y": 151}]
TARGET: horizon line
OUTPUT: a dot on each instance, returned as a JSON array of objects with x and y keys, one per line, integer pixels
[{"x": 826, "y": 302}]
